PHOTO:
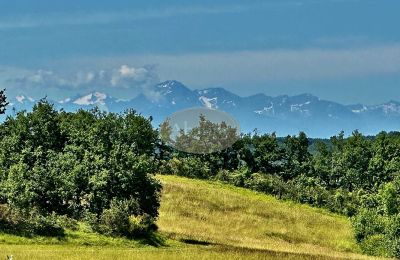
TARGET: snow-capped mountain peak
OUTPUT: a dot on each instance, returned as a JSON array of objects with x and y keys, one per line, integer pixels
[
  {"x": 90, "y": 99},
  {"x": 283, "y": 114},
  {"x": 209, "y": 102}
]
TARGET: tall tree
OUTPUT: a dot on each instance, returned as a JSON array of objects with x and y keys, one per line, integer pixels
[{"x": 3, "y": 102}]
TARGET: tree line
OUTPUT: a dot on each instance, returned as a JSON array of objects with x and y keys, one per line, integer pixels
[{"x": 357, "y": 176}]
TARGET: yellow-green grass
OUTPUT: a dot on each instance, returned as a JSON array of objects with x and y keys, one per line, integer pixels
[
  {"x": 98, "y": 253},
  {"x": 208, "y": 220},
  {"x": 219, "y": 214}
]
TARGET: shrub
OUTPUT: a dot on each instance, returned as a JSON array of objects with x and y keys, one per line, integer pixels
[
  {"x": 115, "y": 220},
  {"x": 222, "y": 175},
  {"x": 191, "y": 167},
  {"x": 141, "y": 225},
  {"x": 44, "y": 225},
  {"x": 368, "y": 223},
  {"x": 267, "y": 183},
  {"x": 68, "y": 223},
  {"x": 123, "y": 219},
  {"x": 375, "y": 245},
  {"x": 8, "y": 218},
  {"x": 29, "y": 222},
  {"x": 239, "y": 177}
]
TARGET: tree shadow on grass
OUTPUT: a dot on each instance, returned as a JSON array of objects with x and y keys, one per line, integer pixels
[
  {"x": 196, "y": 242},
  {"x": 151, "y": 238}
]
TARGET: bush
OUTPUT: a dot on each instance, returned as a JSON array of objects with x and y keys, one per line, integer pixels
[
  {"x": 239, "y": 177},
  {"x": 9, "y": 219},
  {"x": 368, "y": 223},
  {"x": 29, "y": 223},
  {"x": 115, "y": 220},
  {"x": 375, "y": 245},
  {"x": 223, "y": 175},
  {"x": 44, "y": 225},
  {"x": 191, "y": 167},
  {"x": 141, "y": 225},
  {"x": 123, "y": 219},
  {"x": 68, "y": 223},
  {"x": 267, "y": 183}
]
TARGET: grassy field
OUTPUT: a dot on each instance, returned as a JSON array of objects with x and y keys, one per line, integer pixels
[{"x": 207, "y": 220}]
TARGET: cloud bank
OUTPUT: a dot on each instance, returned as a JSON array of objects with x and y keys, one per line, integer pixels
[
  {"x": 231, "y": 70},
  {"x": 224, "y": 68},
  {"x": 119, "y": 80}
]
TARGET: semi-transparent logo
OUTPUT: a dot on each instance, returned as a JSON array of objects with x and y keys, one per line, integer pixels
[{"x": 200, "y": 130}]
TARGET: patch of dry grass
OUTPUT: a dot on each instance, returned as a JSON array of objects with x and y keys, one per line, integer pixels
[{"x": 220, "y": 214}]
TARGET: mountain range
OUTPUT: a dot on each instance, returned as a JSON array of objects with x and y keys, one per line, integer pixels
[{"x": 281, "y": 114}]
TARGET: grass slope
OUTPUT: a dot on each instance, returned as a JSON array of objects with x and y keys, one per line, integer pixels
[
  {"x": 208, "y": 220},
  {"x": 221, "y": 215}
]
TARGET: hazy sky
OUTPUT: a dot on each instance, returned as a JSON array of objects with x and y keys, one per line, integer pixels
[{"x": 342, "y": 50}]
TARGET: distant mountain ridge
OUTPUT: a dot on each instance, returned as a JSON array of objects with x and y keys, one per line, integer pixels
[{"x": 281, "y": 114}]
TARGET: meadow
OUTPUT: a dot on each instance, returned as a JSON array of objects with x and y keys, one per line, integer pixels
[{"x": 208, "y": 220}]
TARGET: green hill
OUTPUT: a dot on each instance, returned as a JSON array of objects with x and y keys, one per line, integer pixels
[
  {"x": 229, "y": 217},
  {"x": 208, "y": 220}
]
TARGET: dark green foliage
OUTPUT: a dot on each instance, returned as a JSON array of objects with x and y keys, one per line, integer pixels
[
  {"x": 123, "y": 219},
  {"x": 77, "y": 164},
  {"x": 377, "y": 226},
  {"x": 29, "y": 222},
  {"x": 3, "y": 102},
  {"x": 115, "y": 220},
  {"x": 192, "y": 167},
  {"x": 267, "y": 183}
]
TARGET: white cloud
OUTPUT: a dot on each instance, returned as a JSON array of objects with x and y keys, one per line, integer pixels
[
  {"x": 125, "y": 75},
  {"x": 133, "y": 79},
  {"x": 245, "y": 68}
]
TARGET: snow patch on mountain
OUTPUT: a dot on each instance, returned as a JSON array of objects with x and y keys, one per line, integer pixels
[
  {"x": 266, "y": 110},
  {"x": 209, "y": 102},
  {"x": 391, "y": 108},
  {"x": 360, "y": 110},
  {"x": 91, "y": 99},
  {"x": 230, "y": 102}
]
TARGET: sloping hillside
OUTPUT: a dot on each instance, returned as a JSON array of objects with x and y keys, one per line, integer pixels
[
  {"x": 201, "y": 212},
  {"x": 209, "y": 220}
]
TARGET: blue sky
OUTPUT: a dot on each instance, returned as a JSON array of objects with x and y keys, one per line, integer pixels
[{"x": 342, "y": 50}]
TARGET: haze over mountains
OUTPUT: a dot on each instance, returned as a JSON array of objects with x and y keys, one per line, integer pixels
[{"x": 281, "y": 114}]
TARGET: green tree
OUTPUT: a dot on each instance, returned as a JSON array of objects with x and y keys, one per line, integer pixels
[
  {"x": 207, "y": 137},
  {"x": 268, "y": 155},
  {"x": 3, "y": 102},
  {"x": 297, "y": 159},
  {"x": 77, "y": 164}
]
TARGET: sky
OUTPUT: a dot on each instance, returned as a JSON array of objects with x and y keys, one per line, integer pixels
[{"x": 341, "y": 50}]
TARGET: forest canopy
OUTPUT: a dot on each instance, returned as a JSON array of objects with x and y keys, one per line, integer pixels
[{"x": 89, "y": 165}]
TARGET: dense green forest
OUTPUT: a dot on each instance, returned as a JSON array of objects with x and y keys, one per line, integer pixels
[
  {"x": 92, "y": 166},
  {"x": 58, "y": 168}
]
